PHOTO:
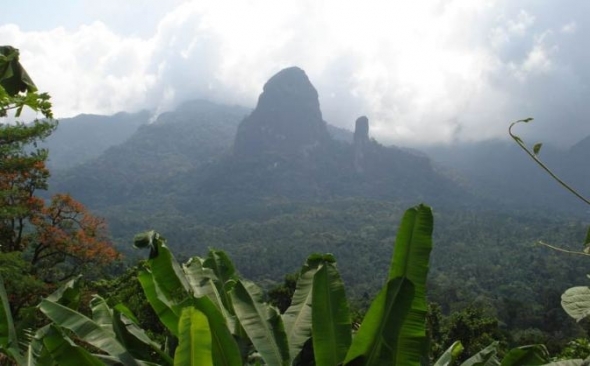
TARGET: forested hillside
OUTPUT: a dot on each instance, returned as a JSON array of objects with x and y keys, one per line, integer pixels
[
  {"x": 300, "y": 183},
  {"x": 209, "y": 175},
  {"x": 86, "y": 137}
]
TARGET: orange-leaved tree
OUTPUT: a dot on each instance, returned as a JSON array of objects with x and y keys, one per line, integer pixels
[
  {"x": 53, "y": 240},
  {"x": 67, "y": 240}
]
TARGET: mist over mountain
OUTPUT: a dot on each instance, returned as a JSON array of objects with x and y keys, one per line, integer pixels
[
  {"x": 501, "y": 172},
  {"x": 205, "y": 154},
  {"x": 196, "y": 133},
  {"x": 87, "y": 136},
  {"x": 286, "y": 121},
  {"x": 203, "y": 151},
  {"x": 272, "y": 184}
]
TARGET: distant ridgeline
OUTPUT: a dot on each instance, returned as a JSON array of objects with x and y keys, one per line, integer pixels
[
  {"x": 282, "y": 149},
  {"x": 274, "y": 184}
]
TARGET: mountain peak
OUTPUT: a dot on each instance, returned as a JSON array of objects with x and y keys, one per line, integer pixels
[{"x": 287, "y": 118}]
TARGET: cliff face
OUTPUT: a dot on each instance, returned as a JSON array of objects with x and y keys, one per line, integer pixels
[
  {"x": 287, "y": 119},
  {"x": 360, "y": 142}
]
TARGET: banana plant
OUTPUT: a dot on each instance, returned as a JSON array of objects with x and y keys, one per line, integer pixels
[
  {"x": 216, "y": 318},
  {"x": 8, "y": 339},
  {"x": 392, "y": 332},
  {"x": 109, "y": 331}
]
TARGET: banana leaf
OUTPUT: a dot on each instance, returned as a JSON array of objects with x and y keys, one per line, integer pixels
[
  {"x": 531, "y": 355},
  {"x": 166, "y": 311},
  {"x": 87, "y": 330},
  {"x": 64, "y": 352},
  {"x": 8, "y": 339},
  {"x": 128, "y": 333},
  {"x": 262, "y": 323},
  {"x": 224, "y": 347},
  {"x": 166, "y": 271},
  {"x": 194, "y": 347},
  {"x": 411, "y": 255},
  {"x": 297, "y": 319},
  {"x": 376, "y": 342},
  {"x": 331, "y": 324},
  {"x": 393, "y": 330},
  {"x": 485, "y": 357},
  {"x": 450, "y": 356},
  {"x": 68, "y": 294},
  {"x": 204, "y": 282}
]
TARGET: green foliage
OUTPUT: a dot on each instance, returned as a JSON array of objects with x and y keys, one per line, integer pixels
[
  {"x": 382, "y": 336},
  {"x": 194, "y": 347},
  {"x": 17, "y": 90},
  {"x": 576, "y": 302},
  {"x": 216, "y": 318},
  {"x": 576, "y": 349},
  {"x": 474, "y": 328},
  {"x": 187, "y": 305},
  {"x": 330, "y": 315}
]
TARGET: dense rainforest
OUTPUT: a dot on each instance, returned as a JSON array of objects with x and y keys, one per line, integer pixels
[{"x": 276, "y": 188}]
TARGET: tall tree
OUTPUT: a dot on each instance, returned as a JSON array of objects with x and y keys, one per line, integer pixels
[{"x": 58, "y": 238}]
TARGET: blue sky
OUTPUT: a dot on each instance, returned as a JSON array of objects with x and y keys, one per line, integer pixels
[{"x": 434, "y": 71}]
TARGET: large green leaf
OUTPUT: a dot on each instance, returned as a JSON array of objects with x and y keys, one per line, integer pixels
[
  {"x": 13, "y": 77},
  {"x": 485, "y": 357},
  {"x": 64, "y": 352},
  {"x": 166, "y": 271},
  {"x": 194, "y": 336},
  {"x": 36, "y": 353},
  {"x": 162, "y": 307},
  {"x": 526, "y": 355},
  {"x": 102, "y": 314},
  {"x": 8, "y": 339},
  {"x": 262, "y": 323},
  {"x": 225, "y": 349},
  {"x": 376, "y": 342},
  {"x": 297, "y": 318},
  {"x": 131, "y": 336},
  {"x": 410, "y": 259},
  {"x": 451, "y": 354},
  {"x": 221, "y": 265},
  {"x": 135, "y": 338},
  {"x": 390, "y": 316},
  {"x": 67, "y": 294},
  {"x": 87, "y": 330},
  {"x": 331, "y": 324},
  {"x": 204, "y": 282},
  {"x": 7, "y": 332},
  {"x": 576, "y": 302},
  {"x": 412, "y": 247},
  {"x": 225, "y": 274}
]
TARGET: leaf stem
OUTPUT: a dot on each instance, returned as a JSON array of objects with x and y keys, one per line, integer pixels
[
  {"x": 533, "y": 156},
  {"x": 563, "y": 250}
]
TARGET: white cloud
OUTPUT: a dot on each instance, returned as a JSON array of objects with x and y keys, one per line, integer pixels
[
  {"x": 569, "y": 28},
  {"x": 423, "y": 72}
]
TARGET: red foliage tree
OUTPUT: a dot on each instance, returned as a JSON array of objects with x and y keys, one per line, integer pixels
[
  {"x": 60, "y": 238},
  {"x": 67, "y": 240}
]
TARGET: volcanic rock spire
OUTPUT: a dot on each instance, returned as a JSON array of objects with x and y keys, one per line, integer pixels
[{"x": 287, "y": 119}]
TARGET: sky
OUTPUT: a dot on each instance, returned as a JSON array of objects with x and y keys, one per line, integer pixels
[{"x": 423, "y": 72}]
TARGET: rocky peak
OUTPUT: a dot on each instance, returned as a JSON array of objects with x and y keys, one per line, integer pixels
[
  {"x": 361, "y": 130},
  {"x": 287, "y": 118},
  {"x": 361, "y": 140}
]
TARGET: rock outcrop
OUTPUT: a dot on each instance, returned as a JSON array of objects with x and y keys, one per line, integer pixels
[
  {"x": 360, "y": 142},
  {"x": 287, "y": 119}
]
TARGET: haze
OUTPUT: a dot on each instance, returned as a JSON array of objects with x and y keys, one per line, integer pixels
[{"x": 423, "y": 72}]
